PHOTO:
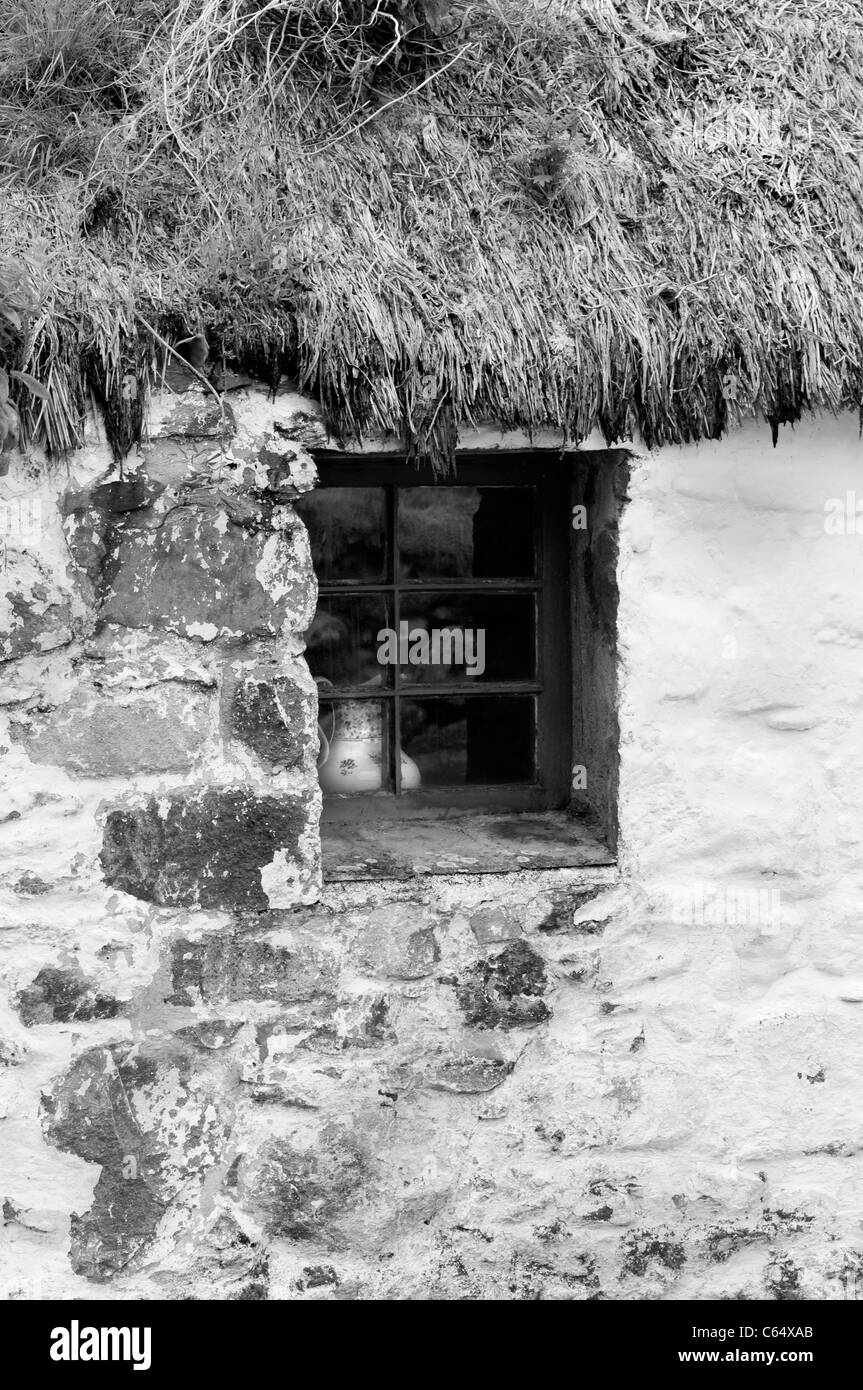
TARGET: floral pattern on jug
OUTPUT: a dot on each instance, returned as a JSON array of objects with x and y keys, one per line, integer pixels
[{"x": 350, "y": 759}]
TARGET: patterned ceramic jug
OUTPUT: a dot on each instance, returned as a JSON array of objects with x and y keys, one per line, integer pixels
[{"x": 350, "y": 759}]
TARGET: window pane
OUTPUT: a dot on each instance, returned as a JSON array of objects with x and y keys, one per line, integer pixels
[
  {"x": 457, "y": 742},
  {"x": 352, "y": 755},
  {"x": 458, "y": 637},
  {"x": 347, "y": 530},
  {"x": 342, "y": 642},
  {"x": 466, "y": 532}
]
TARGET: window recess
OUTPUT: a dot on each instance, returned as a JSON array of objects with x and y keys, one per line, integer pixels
[{"x": 441, "y": 642}]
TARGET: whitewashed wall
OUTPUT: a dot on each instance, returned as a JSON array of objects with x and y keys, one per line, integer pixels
[
  {"x": 740, "y": 957},
  {"x": 561, "y": 1084}
]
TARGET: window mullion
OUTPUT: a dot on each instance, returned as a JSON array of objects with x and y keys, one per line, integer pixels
[{"x": 395, "y": 748}]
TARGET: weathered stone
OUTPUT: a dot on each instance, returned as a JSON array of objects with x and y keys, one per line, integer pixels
[
  {"x": 120, "y": 1224},
  {"x": 505, "y": 991},
  {"x": 534, "y": 1280},
  {"x": 128, "y": 494},
  {"x": 202, "y": 573},
  {"x": 275, "y": 1093},
  {"x": 318, "y": 1277},
  {"x": 782, "y": 1279},
  {"x": 226, "y": 1263},
  {"x": 274, "y": 717},
  {"x": 299, "y": 1193},
  {"x": 152, "y": 1127},
  {"x": 470, "y": 1075},
  {"x": 60, "y": 995},
  {"x": 126, "y": 659},
  {"x": 86, "y": 529},
  {"x": 197, "y": 414},
  {"x": 701, "y": 1075},
  {"x": 392, "y": 942},
  {"x": 35, "y": 616},
  {"x": 89, "y": 514},
  {"x": 222, "y": 969},
  {"x": 12, "y": 1053},
  {"x": 493, "y": 924},
  {"x": 304, "y": 428},
  {"x": 95, "y": 736},
  {"x": 30, "y": 885},
  {"x": 213, "y": 1034},
  {"x": 643, "y": 1249},
  {"x": 273, "y": 469},
  {"x": 207, "y": 847},
  {"x": 357, "y": 1022},
  {"x": 564, "y": 908}
]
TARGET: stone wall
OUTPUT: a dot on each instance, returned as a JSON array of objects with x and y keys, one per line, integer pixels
[{"x": 219, "y": 1079}]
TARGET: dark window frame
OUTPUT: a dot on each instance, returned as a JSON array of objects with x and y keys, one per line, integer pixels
[{"x": 548, "y": 473}]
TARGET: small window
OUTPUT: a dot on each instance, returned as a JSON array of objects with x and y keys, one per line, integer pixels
[{"x": 441, "y": 641}]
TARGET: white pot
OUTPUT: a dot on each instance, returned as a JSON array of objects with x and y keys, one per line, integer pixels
[{"x": 351, "y": 759}]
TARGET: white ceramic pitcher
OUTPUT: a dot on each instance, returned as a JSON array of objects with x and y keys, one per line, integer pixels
[{"x": 350, "y": 759}]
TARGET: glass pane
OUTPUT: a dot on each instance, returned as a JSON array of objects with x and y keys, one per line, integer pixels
[
  {"x": 466, "y": 533},
  {"x": 458, "y": 637},
  {"x": 347, "y": 530},
  {"x": 352, "y": 752},
  {"x": 457, "y": 742},
  {"x": 342, "y": 642}
]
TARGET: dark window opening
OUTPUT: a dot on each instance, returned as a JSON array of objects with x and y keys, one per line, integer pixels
[
  {"x": 464, "y": 643},
  {"x": 440, "y": 644}
]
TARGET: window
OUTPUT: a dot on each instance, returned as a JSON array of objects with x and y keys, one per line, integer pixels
[{"x": 441, "y": 642}]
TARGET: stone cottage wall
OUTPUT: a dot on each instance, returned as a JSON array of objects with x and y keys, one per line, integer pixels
[{"x": 220, "y": 1079}]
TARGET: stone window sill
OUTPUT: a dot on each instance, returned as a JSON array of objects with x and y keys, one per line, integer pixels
[{"x": 477, "y": 844}]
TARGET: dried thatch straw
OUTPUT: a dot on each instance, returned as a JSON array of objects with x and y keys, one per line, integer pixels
[{"x": 615, "y": 213}]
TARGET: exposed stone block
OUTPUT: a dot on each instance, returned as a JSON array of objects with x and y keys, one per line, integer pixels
[
  {"x": 493, "y": 924},
  {"x": 469, "y": 1075},
  {"x": 86, "y": 529},
  {"x": 304, "y": 427},
  {"x": 153, "y": 1127},
  {"x": 222, "y": 969},
  {"x": 357, "y": 1021},
  {"x": 96, "y": 735},
  {"x": 505, "y": 991},
  {"x": 196, "y": 414},
  {"x": 318, "y": 1277},
  {"x": 126, "y": 659},
  {"x": 202, "y": 573},
  {"x": 274, "y": 469},
  {"x": 30, "y": 885},
  {"x": 274, "y": 717},
  {"x": 35, "y": 615},
  {"x": 643, "y": 1249},
  {"x": 299, "y": 1193},
  {"x": 12, "y": 1053},
  {"x": 207, "y": 847},
  {"x": 393, "y": 941},
  {"x": 564, "y": 908},
  {"x": 89, "y": 514},
  {"x": 60, "y": 995},
  {"x": 211, "y": 1034},
  {"x": 131, "y": 493},
  {"x": 226, "y": 1263}
]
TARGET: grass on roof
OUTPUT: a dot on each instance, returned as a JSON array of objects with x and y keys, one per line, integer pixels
[{"x": 611, "y": 213}]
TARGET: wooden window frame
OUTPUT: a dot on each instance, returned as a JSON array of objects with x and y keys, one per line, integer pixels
[{"x": 548, "y": 474}]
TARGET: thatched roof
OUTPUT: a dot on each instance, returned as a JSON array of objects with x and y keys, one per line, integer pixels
[{"x": 615, "y": 213}]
